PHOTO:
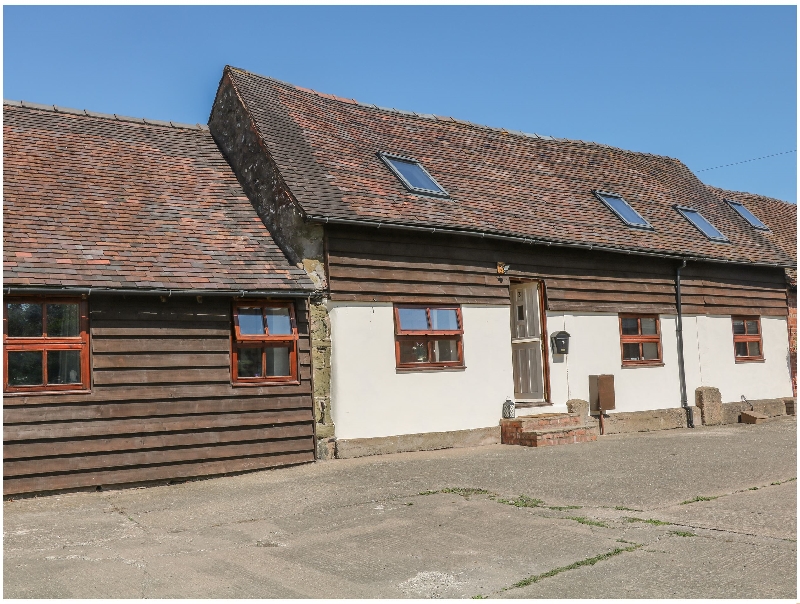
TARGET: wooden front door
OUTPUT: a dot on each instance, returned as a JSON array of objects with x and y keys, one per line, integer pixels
[{"x": 526, "y": 343}]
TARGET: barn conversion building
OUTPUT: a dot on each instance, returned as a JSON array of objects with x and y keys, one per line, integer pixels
[
  {"x": 450, "y": 253},
  {"x": 152, "y": 329}
]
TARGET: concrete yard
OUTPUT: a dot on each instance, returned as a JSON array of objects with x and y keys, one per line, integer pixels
[{"x": 607, "y": 519}]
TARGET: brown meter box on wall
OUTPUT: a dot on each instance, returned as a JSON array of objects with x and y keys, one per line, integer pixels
[{"x": 601, "y": 393}]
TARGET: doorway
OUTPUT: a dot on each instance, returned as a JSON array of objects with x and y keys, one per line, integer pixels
[{"x": 527, "y": 344}]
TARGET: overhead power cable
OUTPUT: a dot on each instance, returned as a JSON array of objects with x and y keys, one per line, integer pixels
[{"x": 747, "y": 160}]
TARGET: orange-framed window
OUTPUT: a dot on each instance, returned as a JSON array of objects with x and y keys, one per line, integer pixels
[
  {"x": 45, "y": 344},
  {"x": 640, "y": 340},
  {"x": 428, "y": 336},
  {"x": 264, "y": 343},
  {"x": 747, "y": 345}
]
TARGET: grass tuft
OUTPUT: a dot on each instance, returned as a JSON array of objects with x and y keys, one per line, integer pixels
[
  {"x": 523, "y": 501},
  {"x": 428, "y": 493},
  {"x": 683, "y": 534},
  {"x": 561, "y": 508},
  {"x": 753, "y": 489},
  {"x": 586, "y": 562},
  {"x": 479, "y": 597},
  {"x": 624, "y": 509},
  {"x": 465, "y": 492},
  {"x": 647, "y": 520},
  {"x": 699, "y": 498},
  {"x": 583, "y": 520}
]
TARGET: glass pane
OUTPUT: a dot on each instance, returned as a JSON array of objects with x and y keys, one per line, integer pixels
[
  {"x": 752, "y": 327},
  {"x": 445, "y": 351},
  {"x": 444, "y": 319},
  {"x": 278, "y": 361},
  {"x": 748, "y": 216},
  {"x": 650, "y": 351},
  {"x": 24, "y": 320},
  {"x": 520, "y": 313},
  {"x": 63, "y": 366},
  {"x": 413, "y": 318},
  {"x": 630, "y": 326},
  {"x": 648, "y": 326},
  {"x": 63, "y": 321},
  {"x": 738, "y": 326},
  {"x": 279, "y": 321},
  {"x": 414, "y": 174},
  {"x": 251, "y": 322},
  {"x": 630, "y": 352},
  {"x": 25, "y": 368},
  {"x": 413, "y": 351},
  {"x": 249, "y": 363},
  {"x": 708, "y": 229},
  {"x": 741, "y": 349},
  {"x": 626, "y": 212},
  {"x": 753, "y": 349}
]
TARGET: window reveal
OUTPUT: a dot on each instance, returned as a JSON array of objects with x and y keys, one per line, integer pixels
[
  {"x": 428, "y": 336},
  {"x": 264, "y": 343},
  {"x": 747, "y": 345},
  {"x": 640, "y": 340},
  {"x": 45, "y": 344}
]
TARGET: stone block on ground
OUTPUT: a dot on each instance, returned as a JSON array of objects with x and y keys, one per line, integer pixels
[
  {"x": 753, "y": 417},
  {"x": 709, "y": 401},
  {"x": 579, "y": 407}
]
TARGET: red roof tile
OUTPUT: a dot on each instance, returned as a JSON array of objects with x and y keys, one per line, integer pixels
[
  {"x": 120, "y": 203},
  {"x": 499, "y": 182}
]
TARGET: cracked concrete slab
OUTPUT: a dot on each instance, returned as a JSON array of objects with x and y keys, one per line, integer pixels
[{"x": 361, "y": 528}]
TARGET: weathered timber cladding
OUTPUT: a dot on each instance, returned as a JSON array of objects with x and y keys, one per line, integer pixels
[
  {"x": 380, "y": 265},
  {"x": 161, "y": 406}
]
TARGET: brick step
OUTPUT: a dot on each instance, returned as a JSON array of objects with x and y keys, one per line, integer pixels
[
  {"x": 540, "y": 431},
  {"x": 543, "y": 421}
]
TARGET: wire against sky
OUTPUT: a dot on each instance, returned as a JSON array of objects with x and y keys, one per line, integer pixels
[{"x": 747, "y": 160}]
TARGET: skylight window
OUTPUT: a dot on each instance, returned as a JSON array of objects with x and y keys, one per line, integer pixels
[
  {"x": 624, "y": 211},
  {"x": 411, "y": 173},
  {"x": 703, "y": 225},
  {"x": 747, "y": 215}
]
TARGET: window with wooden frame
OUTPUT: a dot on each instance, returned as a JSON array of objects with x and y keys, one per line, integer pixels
[
  {"x": 747, "y": 339},
  {"x": 640, "y": 340},
  {"x": 45, "y": 344},
  {"x": 264, "y": 347},
  {"x": 428, "y": 337}
]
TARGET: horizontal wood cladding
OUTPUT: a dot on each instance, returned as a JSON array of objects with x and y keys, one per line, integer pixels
[
  {"x": 161, "y": 405},
  {"x": 381, "y": 265}
]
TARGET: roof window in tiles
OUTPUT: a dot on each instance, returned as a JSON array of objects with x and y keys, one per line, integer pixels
[
  {"x": 703, "y": 225},
  {"x": 623, "y": 210},
  {"x": 411, "y": 173},
  {"x": 747, "y": 215}
]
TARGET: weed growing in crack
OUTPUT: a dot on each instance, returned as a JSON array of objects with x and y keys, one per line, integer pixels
[
  {"x": 622, "y": 508},
  {"x": 699, "y": 498},
  {"x": 465, "y": 492},
  {"x": 647, "y": 520},
  {"x": 586, "y": 562},
  {"x": 583, "y": 520},
  {"x": 479, "y": 597},
  {"x": 523, "y": 501},
  {"x": 682, "y": 533},
  {"x": 428, "y": 493},
  {"x": 753, "y": 489},
  {"x": 561, "y": 508}
]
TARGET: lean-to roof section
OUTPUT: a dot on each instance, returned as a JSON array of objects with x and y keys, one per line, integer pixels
[
  {"x": 499, "y": 182},
  {"x": 105, "y": 201}
]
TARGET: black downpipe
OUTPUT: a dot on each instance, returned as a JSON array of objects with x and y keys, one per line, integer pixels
[{"x": 681, "y": 366}]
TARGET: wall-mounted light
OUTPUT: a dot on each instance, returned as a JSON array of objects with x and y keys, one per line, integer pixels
[{"x": 503, "y": 268}]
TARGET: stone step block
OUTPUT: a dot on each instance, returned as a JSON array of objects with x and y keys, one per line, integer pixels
[
  {"x": 511, "y": 428},
  {"x": 753, "y": 417},
  {"x": 560, "y": 435}
]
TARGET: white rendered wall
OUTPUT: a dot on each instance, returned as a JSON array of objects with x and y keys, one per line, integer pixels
[
  {"x": 708, "y": 352},
  {"x": 717, "y": 367},
  {"x": 370, "y": 398}
]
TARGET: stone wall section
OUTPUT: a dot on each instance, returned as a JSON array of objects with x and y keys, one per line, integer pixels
[{"x": 238, "y": 138}]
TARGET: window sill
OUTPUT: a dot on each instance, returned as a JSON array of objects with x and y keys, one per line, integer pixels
[
  {"x": 749, "y": 360},
  {"x": 18, "y": 393},
  {"x": 428, "y": 369},
  {"x": 635, "y": 365},
  {"x": 263, "y": 384}
]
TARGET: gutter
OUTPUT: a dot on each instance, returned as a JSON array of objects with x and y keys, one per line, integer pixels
[
  {"x": 681, "y": 363},
  {"x": 208, "y": 293},
  {"x": 530, "y": 240}
]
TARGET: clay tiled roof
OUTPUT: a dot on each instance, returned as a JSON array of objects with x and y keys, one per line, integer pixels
[
  {"x": 101, "y": 201},
  {"x": 500, "y": 182},
  {"x": 780, "y": 216}
]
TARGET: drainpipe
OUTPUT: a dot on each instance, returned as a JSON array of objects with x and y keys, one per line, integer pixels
[{"x": 681, "y": 365}]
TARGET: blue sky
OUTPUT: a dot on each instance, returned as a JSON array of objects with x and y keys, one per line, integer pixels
[{"x": 708, "y": 85}]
